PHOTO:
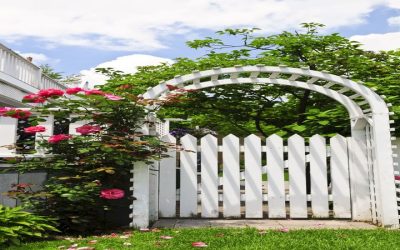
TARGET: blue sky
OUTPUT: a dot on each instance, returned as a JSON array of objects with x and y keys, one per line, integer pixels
[{"x": 72, "y": 39}]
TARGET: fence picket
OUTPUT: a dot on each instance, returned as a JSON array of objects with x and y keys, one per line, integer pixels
[
  {"x": 276, "y": 182},
  {"x": 188, "y": 188},
  {"x": 8, "y": 126},
  {"x": 253, "y": 181},
  {"x": 297, "y": 177},
  {"x": 318, "y": 172},
  {"x": 167, "y": 192},
  {"x": 231, "y": 176},
  {"x": 340, "y": 177},
  {"x": 49, "y": 125},
  {"x": 209, "y": 177}
]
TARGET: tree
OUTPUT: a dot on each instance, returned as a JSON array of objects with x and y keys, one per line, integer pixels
[
  {"x": 50, "y": 72},
  {"x": 244, "y": 109}
]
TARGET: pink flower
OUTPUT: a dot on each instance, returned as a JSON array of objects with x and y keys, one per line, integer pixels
[
  {"x": 21, "y": 185},
  {"x": 113, "y": 97},
  {"x": 57, "y": 138},
  {"x": 34, "y": 129},
  {"x": 33, "y": 98},
  {"x": 284, "y": 230},
  {"x": 4, "y": 110},
  {"x": 166, "y": 237},
  {"x": 88, "y": 129},
  {"x": 171, "y": 87},
  {"x": 112, "y": 194},
  {"x": 94, "y": 92},
  {"x": 50, "y": 93},
  {"x": 72, "y": 91},
  {"x": 17, "y": 113},
  {"x": 199, "y": 244}
]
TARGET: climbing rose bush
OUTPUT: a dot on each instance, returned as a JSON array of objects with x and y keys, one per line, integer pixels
[{"x": 89, "y": 170}]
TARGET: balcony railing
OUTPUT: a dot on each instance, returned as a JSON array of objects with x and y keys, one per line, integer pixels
[{"x": 21, "y": 69}]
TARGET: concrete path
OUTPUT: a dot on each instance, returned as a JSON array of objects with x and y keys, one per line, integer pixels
[{"x": 263, "y": 224}]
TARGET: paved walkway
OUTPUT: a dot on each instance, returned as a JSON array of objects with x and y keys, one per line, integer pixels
[{"x": 263, "y": 224}]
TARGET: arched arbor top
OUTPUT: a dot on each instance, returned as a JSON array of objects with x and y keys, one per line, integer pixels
[{"x": 359, "y": 100}]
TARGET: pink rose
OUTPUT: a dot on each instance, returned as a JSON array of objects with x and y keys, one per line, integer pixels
[
  {"x": 94, "y": 92},
  {"x": 112, "y": 194},
  {"x": 113, "y": 97},
  {"x": 171, "y": 87},
  {"x": 88, "y": 129},
  {"x": 17, "y": 113},
  {"x": 57, "y": 138},
  {"x": 199, "y": 244},
  {"x": 33, "y": 98},
  {"x": 34, "y": 129},
  {"x": 4, "y": 110},
  {"x": 72, "y": 91},
  {"x": 50, "y": 93}
]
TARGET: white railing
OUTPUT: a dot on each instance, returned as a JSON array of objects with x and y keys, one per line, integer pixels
[{"x": 21, "y": 69}]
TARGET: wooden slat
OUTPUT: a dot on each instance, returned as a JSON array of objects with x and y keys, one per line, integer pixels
[
  {"x": 276, "y": 184},
  {"x": 167, "y": 193},
  {"x": 297, "y": 177},
  {"x": 359, "y": 183},
  {"x": 318, "y": 171},
  {"x": 188, "y": 187},
  {"x": 74, "y": 125},
  {"x": 49, "y": 125},
  {"x": 231, "y": 176},
  {"x": 8, "y": 135},
  {"x": 340, "y": 177},
  {"x": 140, "y": 207},
  {"x": 37, "y": 179},
  {"x": 253, "y": 185},
  {"x": 209, "y": 177},
  {"x": 6, "y": 181}
]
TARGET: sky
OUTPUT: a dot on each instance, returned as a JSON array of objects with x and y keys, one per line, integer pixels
[{"x": 76, "y": 37}]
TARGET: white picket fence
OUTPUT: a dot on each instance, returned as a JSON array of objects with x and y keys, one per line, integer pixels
[{"x": 241, "y": 192}]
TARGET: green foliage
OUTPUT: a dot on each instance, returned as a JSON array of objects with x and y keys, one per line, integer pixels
[
  {"x": 50, "y": 72},
  {"x": 244, "y": 109},
  {"x": 17, "y": 226},
  {"x": 80, "y": 167}
]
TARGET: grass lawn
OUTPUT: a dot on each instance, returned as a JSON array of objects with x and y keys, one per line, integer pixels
[{"x": 248, "y": 238}]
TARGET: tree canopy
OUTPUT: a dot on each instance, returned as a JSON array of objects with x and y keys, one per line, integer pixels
[{"x": 244, "y": 109}]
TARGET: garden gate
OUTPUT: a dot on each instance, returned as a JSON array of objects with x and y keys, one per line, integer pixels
[{"x": 360, "y": 185}]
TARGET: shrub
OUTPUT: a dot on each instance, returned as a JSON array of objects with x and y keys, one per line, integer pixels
[
  {"x": 17, "y": 225},
  {"x": 83, "y": 166}
]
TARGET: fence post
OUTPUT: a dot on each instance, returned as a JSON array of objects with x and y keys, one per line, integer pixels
[
  {"x": 141, "y": 187},
  {"x": 358, "y": 170},
  {"x": 383, "y": 163}
]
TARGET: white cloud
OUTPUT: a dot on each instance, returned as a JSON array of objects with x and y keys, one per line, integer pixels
[
  {"x": 394, "y": 4},
  {"x": 142, "y": 25},
  {"x": 395, "y": 21},
  {"x": 377, "y": 42},
  {"x": 126, "y": 64},
  {"x": 38, "y": 58}
]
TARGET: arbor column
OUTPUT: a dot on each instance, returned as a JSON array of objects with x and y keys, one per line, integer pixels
[
  {"x": 384, "y": 179},
  {"x": 358, "y": 169}
]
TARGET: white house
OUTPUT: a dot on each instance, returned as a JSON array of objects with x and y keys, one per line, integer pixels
[{"x": 19, "y": 77}]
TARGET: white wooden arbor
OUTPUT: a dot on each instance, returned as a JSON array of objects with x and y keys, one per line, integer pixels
[{"x": 373, "y": 190}]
